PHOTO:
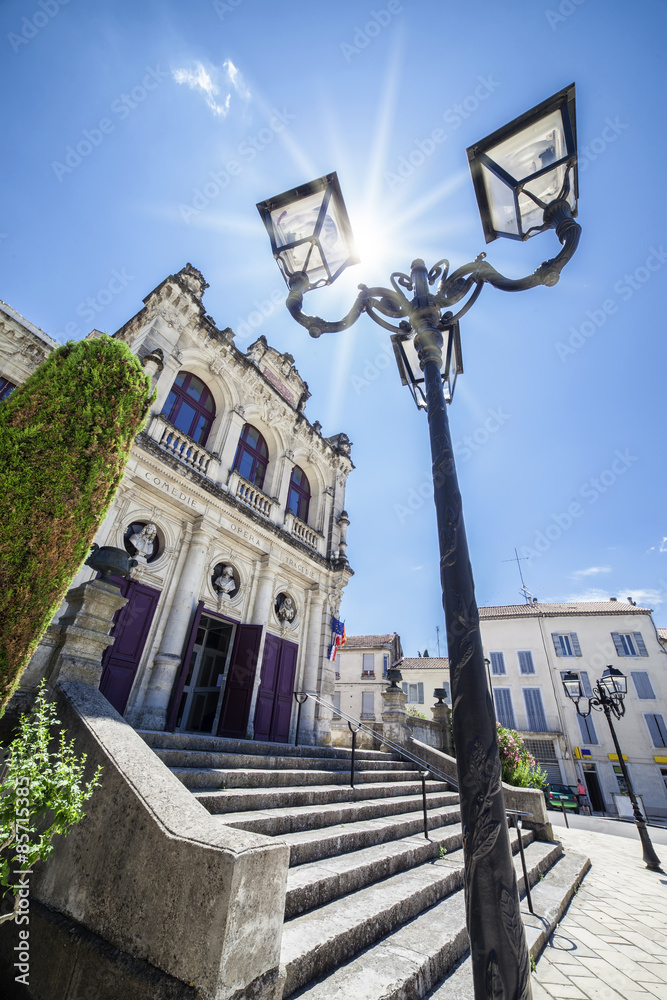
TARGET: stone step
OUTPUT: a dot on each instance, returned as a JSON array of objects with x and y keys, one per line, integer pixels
[
  {"x": 256, "y": 748},
  {"x": 314, "y": 845},
  {"x": 324, "y": 939},
  {"x": 312, "y": 885},
  {"x": 280, "y": 821},
  {"x": 255, "y": 777},
  {"x": 181, "y": 757},
  {"x": 551, "y": 898},
  {"x": 238, "y": 800}
]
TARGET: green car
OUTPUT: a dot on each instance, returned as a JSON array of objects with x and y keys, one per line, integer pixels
[{"x": 561, "y": 795}]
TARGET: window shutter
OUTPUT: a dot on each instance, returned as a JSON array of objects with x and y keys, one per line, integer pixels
[
  {"x": 556, "y": 641},
  {"x": 641, "y": 645},
  {"x": 642, "y": 683},
  {"x": 535, "y": 710},
  {"x": 585, "y": 684},
  {"x": 576, "y": 648},
  {"x": 588, "y": 734},
  {"x": 504, "y": 709},
  {"x": 336, "y": 703},
  {"x": 526, "y": 665},
  {"x": 405, "y": 687},
  {"x": 618, "y": 643},
  {"x": 497, "y": 663},
  {"x": 420, "y": 693},
  {"x": 445, "y": 685},
  {"x": 656, "y": 727}
]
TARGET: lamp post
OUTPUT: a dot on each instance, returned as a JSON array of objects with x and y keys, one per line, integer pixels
[
  {"x": 609, "y": 696},
  {"x": 525, "y": 181}
]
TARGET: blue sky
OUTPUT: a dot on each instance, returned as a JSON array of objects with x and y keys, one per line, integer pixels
[{"x": 192, "y": 113}]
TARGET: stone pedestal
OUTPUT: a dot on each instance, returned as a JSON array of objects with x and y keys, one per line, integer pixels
[
  {"x": 394, "y": 716},
  {"x": 442, "y": 715},
  {"x": 83, "y": 633}
]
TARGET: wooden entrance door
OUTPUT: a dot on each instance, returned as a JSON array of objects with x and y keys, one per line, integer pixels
[
  {"x": 240, "y": 681},
  {"x": 275, "y": 695},
  {"x": 130, "y": 630}
]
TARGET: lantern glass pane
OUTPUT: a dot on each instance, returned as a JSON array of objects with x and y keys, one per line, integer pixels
[
  {"x": 501, "y": 203},
  {"x": 298, "y": 221},
  {"x": 533, "y": 148}
]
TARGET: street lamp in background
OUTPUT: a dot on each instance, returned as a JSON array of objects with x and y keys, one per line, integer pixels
[
  {"x": 525, "y": 179},
  {"x": 609, "y": 697}
]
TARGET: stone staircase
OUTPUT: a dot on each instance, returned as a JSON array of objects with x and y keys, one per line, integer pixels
[{"x": 373, "y": 909}]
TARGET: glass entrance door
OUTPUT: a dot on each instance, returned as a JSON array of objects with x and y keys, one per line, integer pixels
[{"x": 206, "y": 676}]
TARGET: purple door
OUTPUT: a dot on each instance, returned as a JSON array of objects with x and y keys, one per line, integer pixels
[
  {"x": 130, "y": 630},
  {"x": 240, "y": 681},
  {"x": 274, "y": 698}
]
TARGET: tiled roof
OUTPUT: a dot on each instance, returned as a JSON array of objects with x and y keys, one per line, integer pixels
[
  {"x": 572, "y": 608},
  {"x": 424, "y": 663},
  {"x": 370, "y": 640},
  {"x": 662, "y": 632}
]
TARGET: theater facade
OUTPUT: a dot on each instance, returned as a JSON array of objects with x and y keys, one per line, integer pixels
[{"x": 233, "y": 506}]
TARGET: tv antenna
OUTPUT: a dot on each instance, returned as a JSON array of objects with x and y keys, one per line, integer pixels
[
  {"x": 437, "y": 637},
  {"x": 525, "y": 593}
]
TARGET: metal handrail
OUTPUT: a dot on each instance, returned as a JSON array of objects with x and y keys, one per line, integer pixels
[
  {"x": 395, "y": 747},
  {"x": 301, "y": 697}
]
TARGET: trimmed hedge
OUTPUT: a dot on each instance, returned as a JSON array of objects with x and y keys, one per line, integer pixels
[{"x": 65, "y": 438}]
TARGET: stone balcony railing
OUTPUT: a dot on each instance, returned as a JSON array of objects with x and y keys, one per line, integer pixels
[
  {"x": 313, "y": 539},
  {"x": 182, "y": 447},
  {"x": 251, "y": 495}
]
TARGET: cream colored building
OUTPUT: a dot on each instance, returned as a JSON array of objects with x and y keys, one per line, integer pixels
[
  {"x": 529, "y": 647},
  {"x": 361, "y": 667},
  {"x": 233, "y": 505}
]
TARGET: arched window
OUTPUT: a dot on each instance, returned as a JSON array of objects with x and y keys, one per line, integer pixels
[
  {"x": 252, "y": 456},
  {"x": 298, "y": 498},
  {"x": 190, "y": 407}
]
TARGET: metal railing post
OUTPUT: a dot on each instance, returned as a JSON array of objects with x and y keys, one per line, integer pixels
[
  {"x": 424, "y": 776},
  {"x": 354, "y": 747},
  {"x": 301, "y": 699},
  {"x": 523, "y": 864},
  {"x": 562, "y": 806}
]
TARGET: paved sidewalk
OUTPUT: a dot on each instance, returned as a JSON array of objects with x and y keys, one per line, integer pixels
[{"x": 612, "y": 942}]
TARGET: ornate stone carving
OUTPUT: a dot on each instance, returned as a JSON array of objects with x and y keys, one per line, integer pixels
[
  {"x": 285, "y": 608},
  {"x": 225, "y": 581}
]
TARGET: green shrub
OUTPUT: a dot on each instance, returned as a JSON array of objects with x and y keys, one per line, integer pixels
[
  {"x": 65, "y": 437},
  {"x": 518, "y": 764},
  {"x": 41, "y": 795}
]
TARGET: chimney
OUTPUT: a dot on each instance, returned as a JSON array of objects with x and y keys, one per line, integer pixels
[
  {"x": 613, "y": 598},
  {"x": 534, "y": 600},
  {"x": 633, "y": 603}
]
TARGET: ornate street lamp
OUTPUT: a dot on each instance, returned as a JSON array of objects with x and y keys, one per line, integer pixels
[
  {"x": 426, "y": 340},
  {"x": 608, "y": 696}
]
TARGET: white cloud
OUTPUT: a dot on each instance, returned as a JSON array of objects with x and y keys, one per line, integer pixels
[
  {"x": 207, "y": 83},
  {"x": 663, "y": 545},
  {"x": 592, "y": 571}
]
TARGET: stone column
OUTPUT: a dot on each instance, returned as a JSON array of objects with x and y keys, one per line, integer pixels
[
  {"x": 310, "y": 732},
  {"x": 394, "y": 716},
  {"x": 442, "y": 715},
  {"x": 83, "y": 632},
  {"x": 167, "y": 661}
]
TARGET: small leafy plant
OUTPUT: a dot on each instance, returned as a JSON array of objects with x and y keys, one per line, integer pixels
[
  {"x": 518, "y": 764},
  {"x": 41, "y": 795},
  {"x": 442, "y": 851}
]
